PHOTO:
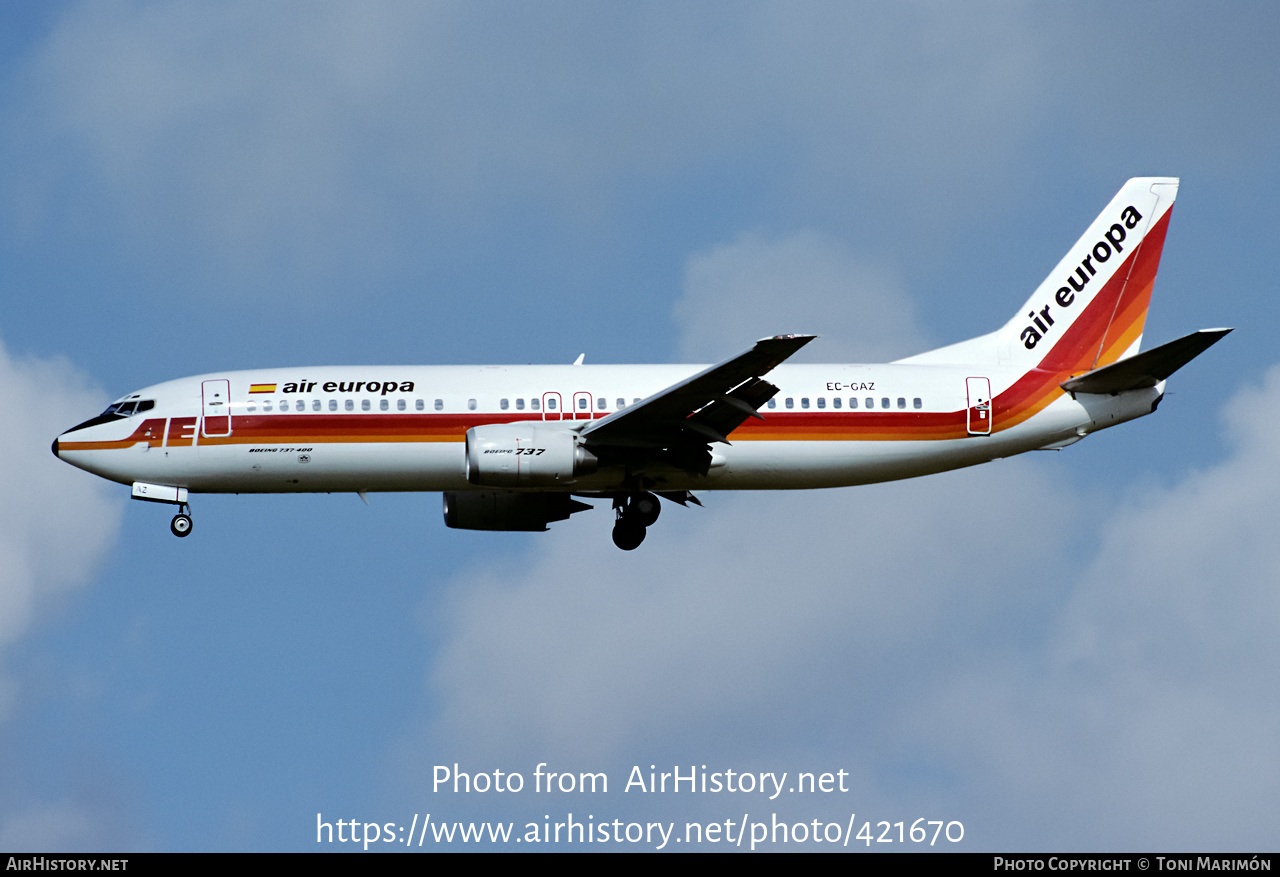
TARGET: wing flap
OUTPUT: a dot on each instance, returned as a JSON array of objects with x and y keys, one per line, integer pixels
[
  {"x": 729, "y": 411},
  {"x": 723, "y": 396}
]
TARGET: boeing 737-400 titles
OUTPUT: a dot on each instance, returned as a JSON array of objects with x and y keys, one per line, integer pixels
[{"x": 519, "y": 447}]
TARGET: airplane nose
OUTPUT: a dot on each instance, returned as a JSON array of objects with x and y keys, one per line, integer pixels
[{"x": 55, "y": 447}]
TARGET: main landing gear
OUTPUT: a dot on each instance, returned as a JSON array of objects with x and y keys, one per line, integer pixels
[
  {"x": 634, "y": 512},
  {"x": 181, "y": 524}
]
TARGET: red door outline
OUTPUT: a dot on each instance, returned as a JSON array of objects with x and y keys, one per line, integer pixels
[{"x": 557, "y": 407}]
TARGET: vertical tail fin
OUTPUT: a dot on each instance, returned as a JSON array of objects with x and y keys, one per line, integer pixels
[{"x": 1091, "y": 309}]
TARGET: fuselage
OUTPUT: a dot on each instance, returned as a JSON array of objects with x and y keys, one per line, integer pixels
[
  {"x": 510, "y": 446},
  {"x": 387, "y": 428}
]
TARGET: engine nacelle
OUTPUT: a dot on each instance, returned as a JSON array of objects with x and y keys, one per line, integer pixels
[
  {"x": 508, "y": 510},
  {"x": 526, "y": 455}
]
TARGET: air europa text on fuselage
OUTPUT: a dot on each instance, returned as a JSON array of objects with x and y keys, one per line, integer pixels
[
  {"x": 1065, "y": 296},
  {"x": 382, "y": 387}
]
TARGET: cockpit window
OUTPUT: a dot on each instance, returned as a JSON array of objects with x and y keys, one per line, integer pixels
[
  {"x": 129, "y": 407},
  {"x": 117, "y": 411}
]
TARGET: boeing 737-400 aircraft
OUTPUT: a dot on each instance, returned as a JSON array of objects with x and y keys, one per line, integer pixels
[{"x": 517, "y": 447}]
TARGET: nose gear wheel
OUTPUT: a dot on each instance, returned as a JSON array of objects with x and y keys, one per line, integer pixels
[{"x": 181, "y": 524}]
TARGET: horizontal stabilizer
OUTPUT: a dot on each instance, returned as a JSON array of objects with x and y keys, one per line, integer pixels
[{"x": 1146, "y": 369}]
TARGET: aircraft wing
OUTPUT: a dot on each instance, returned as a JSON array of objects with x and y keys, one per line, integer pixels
[
  {"x": 1145, "y": 369},
  {"x": 701, "y": 409}
]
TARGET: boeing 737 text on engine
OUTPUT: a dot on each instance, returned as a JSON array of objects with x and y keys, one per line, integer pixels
[{"x": 518, "y": 447}]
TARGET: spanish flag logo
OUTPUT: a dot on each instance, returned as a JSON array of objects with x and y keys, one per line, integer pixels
[{"x": 262, "y": 388}]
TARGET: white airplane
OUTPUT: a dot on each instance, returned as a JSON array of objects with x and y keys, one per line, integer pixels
[{"x": 511, "y": 447}]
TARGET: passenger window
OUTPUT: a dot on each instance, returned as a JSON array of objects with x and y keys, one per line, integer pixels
[
  {"x": 822, "y": 402},
  {"x": 384, "y": 404},
  {"x": 284, "y": 404},
  {"x": 504, "y": 404},
  {"x": 601, "y": 404},
  {"x": 333, "y": 404},
  {"x": 635, "y": 401},
  {"x": 917, "y": 403},
  {"x": 471, "y": 404},
  {"x": 534, "y": 404},
  {"x": 439, "y": 404},
  {"x": 853, "y": 401},
  {"x": 250, "y": 406},
  {"x": 790, "y": 403},
  {"x": 773, "y": 403},
  {"x": 364, "y": 404},
  {"x": 551, "y": 404},
  {"x": 871, "y": 403},
  {"x": 519, "y": 404},
  {"x": 349, "y": 404},
  {"x": 835, "y": 403},
  {"x": 315, "y": 404},
  {"x": 582, "y": 404},
  {"x": 622, "y": 403},
  {"x": 804, "y": 402},
  {"x": 902, "y": 403},
  {"x": 884, "y": 401},
  {"x": 266, "y": 405},
  {"x": 419, "y": 405}
]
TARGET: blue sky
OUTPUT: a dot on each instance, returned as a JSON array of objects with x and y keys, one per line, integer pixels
[{"x": 1065, "y": 651}]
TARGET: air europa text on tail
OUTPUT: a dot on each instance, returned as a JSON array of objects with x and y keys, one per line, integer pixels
[{"x": 1110, "y": 245}]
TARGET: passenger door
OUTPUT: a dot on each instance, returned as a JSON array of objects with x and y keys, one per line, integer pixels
[{"x": 217, "y": 408}]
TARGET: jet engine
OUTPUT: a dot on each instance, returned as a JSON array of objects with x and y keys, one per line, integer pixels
[{"x": 526, "y": 455}]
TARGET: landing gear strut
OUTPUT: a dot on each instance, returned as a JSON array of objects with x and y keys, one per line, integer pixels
[
  {"x": 635, "y": 512},
  {"x": 181, "y": 524}
]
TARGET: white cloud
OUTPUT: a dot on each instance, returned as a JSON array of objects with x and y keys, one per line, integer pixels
[
  {"x": 299, "y": 137},
  {"x": 755, "y": 287},
  {"x": 1159, "y": 682},
  {"x": 56, "y": 522},
  {"x": 1051, "y": 668},
  {"x": 749, "y": 607},
  {"x": 63, "y": 827}
]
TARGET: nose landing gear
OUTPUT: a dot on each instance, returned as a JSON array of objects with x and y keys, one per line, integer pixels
[
  {"x": 166, "y": 493},
  {"x": 181, "y": 524},
  {"x": 635, "y": 512}
]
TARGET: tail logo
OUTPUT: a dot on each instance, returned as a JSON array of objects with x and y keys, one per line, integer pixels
[{"x": 1065, "y": 297}]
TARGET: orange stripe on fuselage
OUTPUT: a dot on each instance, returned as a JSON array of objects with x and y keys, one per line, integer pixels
[{"x": 306, "y": 429}]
